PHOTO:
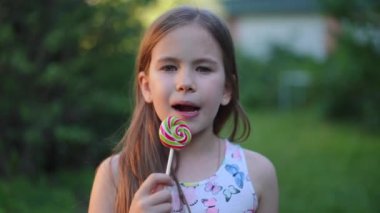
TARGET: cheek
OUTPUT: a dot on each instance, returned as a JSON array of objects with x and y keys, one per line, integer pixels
[
  {"x": 217, "y": 85},
  {"x": 213, "y": 92},
  {"x": 159, "y": 89}
]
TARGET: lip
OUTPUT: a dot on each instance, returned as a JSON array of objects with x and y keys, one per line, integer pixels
[{"x": 186, "y": 114}]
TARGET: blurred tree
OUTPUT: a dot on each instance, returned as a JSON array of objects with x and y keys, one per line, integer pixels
[
  {"x": 261, "y": 81},
  {"x": 352, "y": 78},
  {"x": 352, "y": 83},
  {"x": 65, "y": 66},
  {"x": 356, "y": 11}
]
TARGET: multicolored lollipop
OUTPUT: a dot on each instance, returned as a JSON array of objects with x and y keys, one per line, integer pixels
[{"x": 174, "y": 134}]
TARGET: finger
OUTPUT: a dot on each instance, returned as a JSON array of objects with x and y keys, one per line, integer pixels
[
  {"x": 151, "y": 183},
  {"x": 158, "y": 188},
  {"x": 163, "y": 196},
  {"x": 163, "y": 208}
]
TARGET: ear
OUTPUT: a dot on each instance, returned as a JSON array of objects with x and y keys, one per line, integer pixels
[
  {"x": 144, "y": 87},
  {"x": 226, "y": 96}
]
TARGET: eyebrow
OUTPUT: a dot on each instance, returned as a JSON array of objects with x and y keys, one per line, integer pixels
[{"x": 196, "y": 61}]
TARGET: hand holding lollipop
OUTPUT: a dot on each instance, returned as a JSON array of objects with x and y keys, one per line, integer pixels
[{"x": 174, "y": 134}]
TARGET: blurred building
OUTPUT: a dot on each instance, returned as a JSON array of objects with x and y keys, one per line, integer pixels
[{"x": 298, "y": 25}]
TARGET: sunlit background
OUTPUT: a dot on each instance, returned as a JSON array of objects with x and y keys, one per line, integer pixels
[{"x": 309, "y": 80}]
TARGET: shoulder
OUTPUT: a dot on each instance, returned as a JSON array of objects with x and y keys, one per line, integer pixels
[
  {"x": 259, "y": 164},
  {"x": 104, "y": 186},
  {"x": 108, "y": 169},
  {"x": 264, "y": 178}
]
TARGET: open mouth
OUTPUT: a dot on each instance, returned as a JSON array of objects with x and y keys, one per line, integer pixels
[{"x": 185, "y": 107}]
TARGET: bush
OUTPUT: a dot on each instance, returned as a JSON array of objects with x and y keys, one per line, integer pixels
[
  {"x": 352, "y": 83},
  {"x": 261, "y": 80},
  {"x": 65, "y": 68}
]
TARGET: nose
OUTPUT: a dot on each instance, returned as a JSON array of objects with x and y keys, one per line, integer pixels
[{"x": 185, "y": 81}]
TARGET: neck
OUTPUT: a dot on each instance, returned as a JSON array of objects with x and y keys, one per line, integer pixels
[
  {"x": 200, "y": 145},
  {"x": 205, "y": 151}
]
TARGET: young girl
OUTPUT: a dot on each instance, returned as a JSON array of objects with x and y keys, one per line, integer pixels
[{"x": 186, "y": 67}]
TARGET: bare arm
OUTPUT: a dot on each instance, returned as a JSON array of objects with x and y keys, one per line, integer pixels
[
  {"x": 152, "y": 196},
  {"x": 104, "y": 189},
  {"x": 264, "y": 177}
]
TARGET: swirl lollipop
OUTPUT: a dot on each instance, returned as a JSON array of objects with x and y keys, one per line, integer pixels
[{"x": 174, "y": 134}]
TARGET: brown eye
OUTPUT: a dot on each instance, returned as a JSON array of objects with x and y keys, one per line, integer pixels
[
  {"x": 203, "y": 69},
  {"x": 168, "y": 68}
]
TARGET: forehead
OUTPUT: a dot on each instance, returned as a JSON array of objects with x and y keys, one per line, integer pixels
[{"x": 189, "y": 42}]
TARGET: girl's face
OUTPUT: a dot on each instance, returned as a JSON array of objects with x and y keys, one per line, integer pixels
[{"x": 186, "y": 77}]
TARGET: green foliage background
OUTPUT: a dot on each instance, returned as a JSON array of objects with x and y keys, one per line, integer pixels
[
  {"x": 345, "y": 86},
  {"x": 65, "y": 68},
  {"x": 351, "y": 84},
  {"x": 66, "y": 71}
]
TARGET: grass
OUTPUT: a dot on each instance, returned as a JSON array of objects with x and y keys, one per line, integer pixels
[
  {"x": 321, "y": 167},
  {"x": 67, "y": 191}
]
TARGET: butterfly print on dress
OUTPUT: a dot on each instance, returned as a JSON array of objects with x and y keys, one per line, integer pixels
[
  {"x": 190, "y": 195},
  {"x": 212, "y": 186},
  {"x": 236, "y": 155},
  {"x": 211, "y": 205},
  {"x": 228, "y": 192},
  {"x": 237, "y": 175}
]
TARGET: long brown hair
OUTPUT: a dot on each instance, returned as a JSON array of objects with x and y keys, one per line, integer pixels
[{"x": 140, "y": 151}]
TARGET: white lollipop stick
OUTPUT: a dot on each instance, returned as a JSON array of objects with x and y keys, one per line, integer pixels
[{"x": 170, "y": 160}]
